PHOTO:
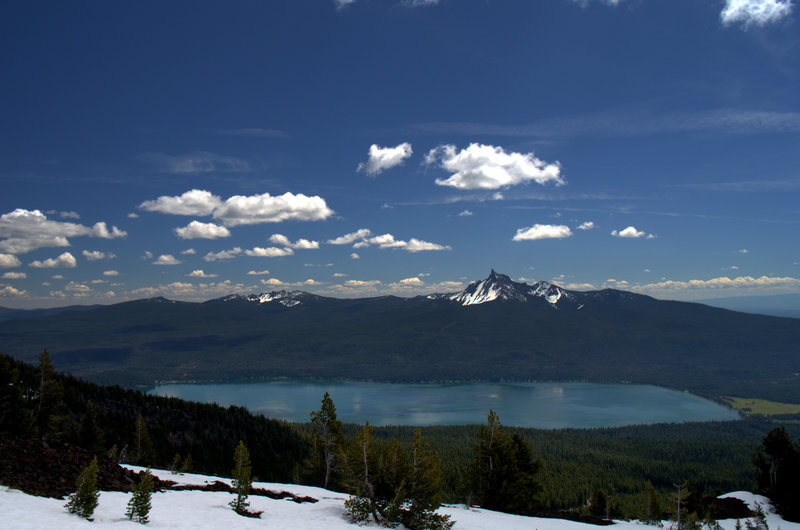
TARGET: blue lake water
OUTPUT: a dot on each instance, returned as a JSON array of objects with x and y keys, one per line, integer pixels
[{"x": 541, "y": 405}]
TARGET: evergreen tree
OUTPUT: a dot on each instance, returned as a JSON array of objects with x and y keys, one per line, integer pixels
[
  {"x": 652, "y": 507},
  {"x": 84, "y": 500},
  {"x": 598, "y": 504},
  {"x": 90, "y": 436},
  {"x": 241, "y": 479},
  {"x": 778, "y": 472},
  {"x": 504, "y": 471},
  {"x": 423, "y": 488},
  {"x": 49, "y": 395},
  {"x": 142, "y": 447},
  {"x": 15, "y": 415},
  {"x": 325, "y": 444},
  {"x": 360, "y": 463},
  {"x": 139, "y": 504}
]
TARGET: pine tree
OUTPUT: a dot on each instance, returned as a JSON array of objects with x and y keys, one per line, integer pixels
[
  {"x": 139, "y": 504},
  {"x": 241, "y": 479},
  {"x": 142, "y": 448},
  {"x": 504, "y": 470},
  {"x": 360, "y": 462},
  {"x": 15, "y": 416},
  {"x": 90, "y": 436},
  {"x": 49, "y": 396},
  {"x": 84, "y": 500},
  {"x": 326, "y": 443},
  {"x": 423, "y": 488}
]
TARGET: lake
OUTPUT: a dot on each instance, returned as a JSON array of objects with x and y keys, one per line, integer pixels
[{"x": 541, "y": 405}]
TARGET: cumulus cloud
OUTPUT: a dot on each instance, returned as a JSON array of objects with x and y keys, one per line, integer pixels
[
  {"x": 362, "y": 283},
  {"x": 9, "y": 291},
  {"x": 300, "y": 244},
  {"x": 724, "y": 283},
  {"x": 352, "y": 237},
  {"x": 95, "y": 255},
  {"x": 257, "y": 273},
  {"x": 243, "y": 210},
  {"x": 488, "y": 167},
  {"x": 198, "y": 230},
  {"x": 410, "y": 282},
  {"x": 383, "y": 158},
  {"x": 269, "y": 252},
  {"x": 465, "y": 213},
  {"x": 588, "y": 225},
  {"x": 65, "y": 260},
  {"x": 23, "y": 230},
  {"x": 754, "y": 12},
  {"x": 538, "y": 231},
  {"x": 198, "y": 273},
  {"x": 363, "y": 238},
  {"x": 8, "y": 261},
  {"x": 631, "y": 233},
  {"x": 110, "y": 273},
  {"x": 193, "y": 202},
  {"x": 14, "y": 276},
  {"x": 222, "y": 254},
  {"x": 354, "y": 256},
  {"x": 189, "y": 290},
  {"x": 189, "y": 251},
  {"x": 265, "y": 208},
  {"x": 166, "y": 259}
]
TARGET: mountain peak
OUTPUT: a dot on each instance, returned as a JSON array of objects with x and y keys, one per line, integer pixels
[{"x": 501, "y": 287}]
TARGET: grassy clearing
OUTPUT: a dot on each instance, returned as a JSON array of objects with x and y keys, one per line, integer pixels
[{"x": 762, "y": 406}]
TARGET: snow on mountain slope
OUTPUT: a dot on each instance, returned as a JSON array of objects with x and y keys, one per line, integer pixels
[
  {"x": 210, "y": 510},
  {"x": 501, "y": 287}
]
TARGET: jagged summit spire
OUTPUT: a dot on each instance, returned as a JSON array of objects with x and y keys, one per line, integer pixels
[{"x": 500, "y": 287}]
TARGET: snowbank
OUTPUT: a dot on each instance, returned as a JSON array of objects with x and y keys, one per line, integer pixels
[{"x": 210, "y": 510}]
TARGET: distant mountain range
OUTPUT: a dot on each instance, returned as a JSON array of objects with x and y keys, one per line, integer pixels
[{"x": 495, "y": 329}]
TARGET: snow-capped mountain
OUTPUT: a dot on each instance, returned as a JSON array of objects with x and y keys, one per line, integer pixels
[
  {"x": 501, "y": 287},
  {"x": 283, "y": 297}
]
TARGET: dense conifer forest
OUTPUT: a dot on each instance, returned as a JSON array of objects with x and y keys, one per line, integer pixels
[{"x": 632, "y": 470}]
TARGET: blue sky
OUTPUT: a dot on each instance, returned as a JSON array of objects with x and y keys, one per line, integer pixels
[{"x": 369, "y": 147}]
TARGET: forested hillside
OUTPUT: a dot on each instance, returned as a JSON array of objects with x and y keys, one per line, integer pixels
[{"x": 623, "y": 463}]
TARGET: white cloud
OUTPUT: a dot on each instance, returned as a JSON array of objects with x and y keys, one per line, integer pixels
[
  {"x": 198, "y": 273},
  {"x": 26, "y": 230},
  {"x": 383, "y": 158},
  {"x": 269, "y": 252},
  {"x": 342, "y": 3},
  {"x": 197, "y": 162},
  {"x": 355, "y": 256},
  {"x": 65, "y": 260},
  {"x": 95, "y": 255},
  {"x": 300, "y": 244},
  {"x": 193, "y": 202},
  {"x": 465, "y": 213},
  {"x": 273, "y": 282},
  {"x": 363, "y": 238},
  {"x": 110, "y": 273},
  {"x": 58, "y": 277},
  {"x": 198, "y": 230},
  {"x": 588, "y": 225},
  {"x": 257, "y": 273},
  {"x": 222, "y": 254},
  {"x": 265, "y": 208},
  {"x": 189, "y": 290},
  {"x": 744, "y": 251},
  {"x": 538, "y": 231},
  {"x": 189, "y": 251},
  {"x": 14, "y": 276},
  {"x": 147, "y": 255},
  {"x": 166, "y": 259},
  {"x": 488, "y": 167},
  {"x": 411, "y": 282},
  {"x": 352, "y": 237},
  {"x": 362, "y": 283},
  {"x": 101, "y": 230},
  {"x": 630, "y": 233},
  {"x": 133, "y": 215},
  {"x": 723, "y": 283},
  {"x": 9, "y": 291},
  {"x": 419, "y": 3},
  {"x": 8, "y": 261},
  {"x": 339, "y": 275},
  {"x": 755, "y": 12}
]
